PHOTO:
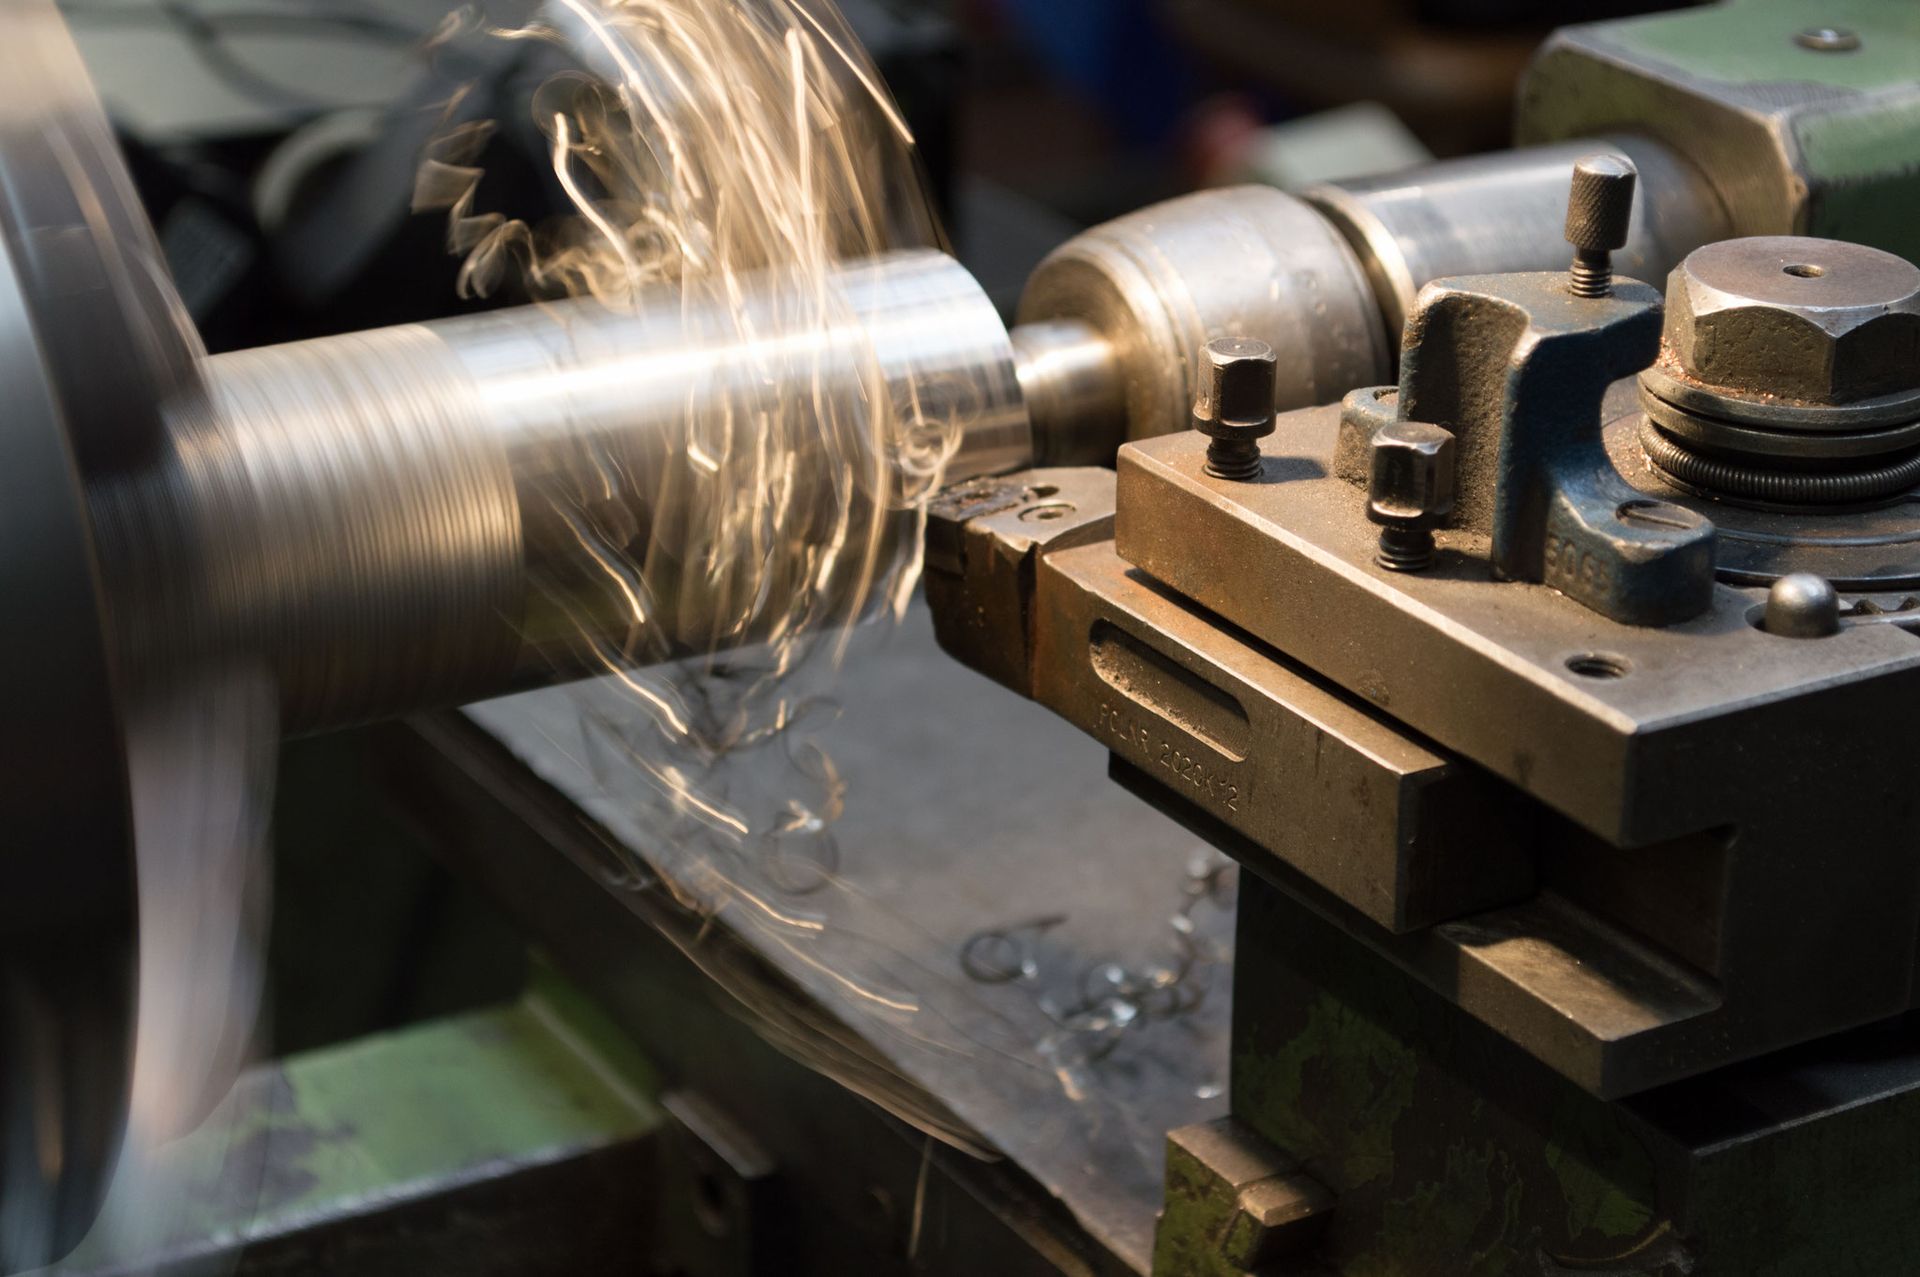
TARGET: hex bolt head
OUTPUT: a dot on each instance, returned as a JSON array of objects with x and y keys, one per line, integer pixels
[
  {"x": 1409, "y": 490},
  {"x": 1781, "y": 317},
  {"x": 1599, "y": 215},
  {"x": 1802, "y": 605},
  {"x": 1235, "y": 406}
]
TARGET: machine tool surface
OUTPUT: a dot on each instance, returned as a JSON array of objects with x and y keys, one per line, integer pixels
[{"x": 969, "y": 812}]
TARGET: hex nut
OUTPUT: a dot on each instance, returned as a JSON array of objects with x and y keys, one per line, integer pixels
[{"x": 1785, "y": 317}]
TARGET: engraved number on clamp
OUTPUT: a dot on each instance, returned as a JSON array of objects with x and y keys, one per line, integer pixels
[{"x": 1203, "y": 777}]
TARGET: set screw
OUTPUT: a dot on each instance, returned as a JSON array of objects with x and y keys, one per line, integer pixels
[
  {"x": 1409, "y": 491},
  {"x": 1599, "y": 212},
  {"x": 1235, "y": 406}
]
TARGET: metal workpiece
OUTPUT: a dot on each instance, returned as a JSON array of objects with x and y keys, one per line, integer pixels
[
  {"x": 984, "y": 541},
  {"x": 1508, "y": 212},
  {"x": 1599, "y": 216},
  {"x": 1071, "y": 383},
  {"x": 1234, "y": 409},
  {"x": 1667, "y": 745},
  {"x": 333, "y": 518},
  {"x": 408, "y": 517},
  {"x": 1409, "y": 491},
  {"x": 1518, "y": 368},
  {"x": 1244, "y": 261},
  {"x": 1794, "y": 138}
]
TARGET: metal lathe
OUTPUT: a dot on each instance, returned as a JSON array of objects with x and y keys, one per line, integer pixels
[{"x": 1511, "y": 563}]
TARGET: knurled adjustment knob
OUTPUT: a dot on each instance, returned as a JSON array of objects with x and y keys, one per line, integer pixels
[{"x": 1599, "y": 215}]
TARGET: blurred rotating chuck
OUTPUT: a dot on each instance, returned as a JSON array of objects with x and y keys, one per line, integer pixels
[{"x": 207, "y": 552}]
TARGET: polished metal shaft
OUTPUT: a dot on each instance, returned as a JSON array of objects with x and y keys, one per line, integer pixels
[{"x": 432, "y": 513}]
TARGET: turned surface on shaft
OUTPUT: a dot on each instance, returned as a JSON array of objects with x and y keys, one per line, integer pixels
[{"x": 390, "y": 519}]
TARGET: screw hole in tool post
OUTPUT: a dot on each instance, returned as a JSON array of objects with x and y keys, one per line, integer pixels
[
  {"x": 1043, "y": 490},
  {"x": 1599, "y": 665},
  {"x": 1828, "y": 40},
  {"x": 1804, "y": 270},
  {"x": 1046, "y": 513}
]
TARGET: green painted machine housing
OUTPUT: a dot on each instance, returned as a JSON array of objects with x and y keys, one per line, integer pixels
[
  {"x": 1797, "y": 140},
  {"x": 1439, "y": 1147}
]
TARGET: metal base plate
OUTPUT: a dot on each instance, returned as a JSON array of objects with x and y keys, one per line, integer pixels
[{"x": 968, "y": 813}]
